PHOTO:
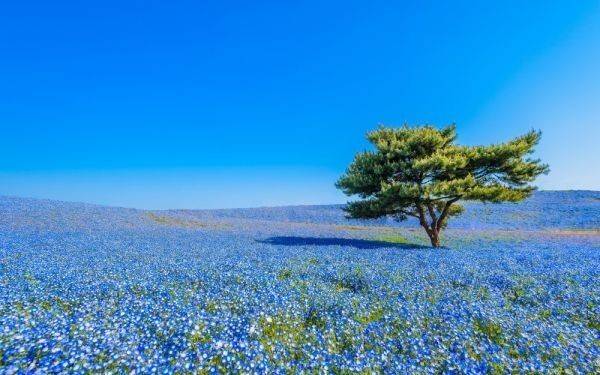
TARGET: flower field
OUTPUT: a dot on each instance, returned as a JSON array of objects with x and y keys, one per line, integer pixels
[{"x": 88, "y": 289}]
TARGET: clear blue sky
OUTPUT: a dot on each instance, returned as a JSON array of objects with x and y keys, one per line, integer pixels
[{"x": 222, "y": 104}]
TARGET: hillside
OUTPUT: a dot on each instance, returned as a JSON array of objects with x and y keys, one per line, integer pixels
[
  {"x": 93, "y": 289},
  {"x": 572, "y": 210}
]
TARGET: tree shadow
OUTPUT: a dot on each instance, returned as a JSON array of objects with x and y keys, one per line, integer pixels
[{"x": 331, "y": 241}]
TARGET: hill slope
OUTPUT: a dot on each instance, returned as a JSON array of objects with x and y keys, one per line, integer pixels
[
  {"x": 92, "y": 289},
  {"x": 573, "y": 210}
]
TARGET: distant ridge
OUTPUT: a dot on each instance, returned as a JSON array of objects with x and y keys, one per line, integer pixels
[
  {"x": 570, "y": 210},
  {"x": 61, "y": 201}
]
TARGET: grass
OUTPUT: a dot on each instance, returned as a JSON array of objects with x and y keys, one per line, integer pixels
[
  {"x": 284, "y": 274},
  {"x": 285, "y": 330},
  {"x": 353, "y": 281},
  {"x": 200, "y": 335},
  {"x": 492, "y": 330},
  {"x": 576, "y": 232},
  {"x": 374, "y": 315},
  {"x": 393, "y": 239},
  {"x": 173, "y": 221}
]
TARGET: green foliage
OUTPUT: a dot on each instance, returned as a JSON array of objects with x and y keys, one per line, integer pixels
[
  {"x": 490, "y": 329},
  {"x": 200, "y": 335},
  {"x": 421, "y": 172},
  {"x": 393, "y": 239},
  {"x": 284, "y": 274},
  {"x": 353, "y": 281},
  {"x": 313, "y": 261},
  {"x": 374, "y": 315}
]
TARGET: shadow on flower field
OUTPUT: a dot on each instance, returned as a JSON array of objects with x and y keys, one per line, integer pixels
[{"x": 332, "y": 241}]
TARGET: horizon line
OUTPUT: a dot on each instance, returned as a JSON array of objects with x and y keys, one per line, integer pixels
[{"x": 3, "y": 196}]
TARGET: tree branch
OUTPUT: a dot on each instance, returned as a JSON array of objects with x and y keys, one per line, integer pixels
[
  {"x": 409, "y": 213},
  {"x": 432, "y": 214},
  {"x": 422, "y": 219},
  {"x": 442, "y": 198},
  {"x": 444, "y": 213}
]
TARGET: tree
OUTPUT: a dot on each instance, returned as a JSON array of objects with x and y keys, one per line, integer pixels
[{"x": 421, "y": 172}]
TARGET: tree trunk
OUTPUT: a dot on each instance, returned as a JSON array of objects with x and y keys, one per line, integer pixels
[
  {"x": 434, "y": 236},
  {"x": 433, "y": 230}
]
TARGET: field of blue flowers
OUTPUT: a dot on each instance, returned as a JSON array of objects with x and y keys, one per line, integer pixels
[{"x": 89, "y": 289}]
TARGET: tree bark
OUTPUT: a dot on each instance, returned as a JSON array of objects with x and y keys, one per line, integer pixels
[
  {"x": 440, "y": 220},
  {"x": 434, "y": 236},
  {"x": 433, "y": 231}
]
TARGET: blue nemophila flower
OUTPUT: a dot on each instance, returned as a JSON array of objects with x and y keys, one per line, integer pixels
[{"x": 93, "y": 289}]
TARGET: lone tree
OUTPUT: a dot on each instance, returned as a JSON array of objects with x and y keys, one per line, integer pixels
[{"x": 421, "y": 172}]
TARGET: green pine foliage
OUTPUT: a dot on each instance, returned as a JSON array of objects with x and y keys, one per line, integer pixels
[{"x": 421, "y": 172}]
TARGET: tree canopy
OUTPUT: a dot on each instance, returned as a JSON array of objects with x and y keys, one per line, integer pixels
[{"x": 421, "y": 172}]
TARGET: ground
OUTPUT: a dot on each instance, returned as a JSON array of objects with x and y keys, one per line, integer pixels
[{"x": 86, "y": 288}]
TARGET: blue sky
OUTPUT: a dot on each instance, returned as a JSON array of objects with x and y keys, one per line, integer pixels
[{"x": 234, "y": 104}]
